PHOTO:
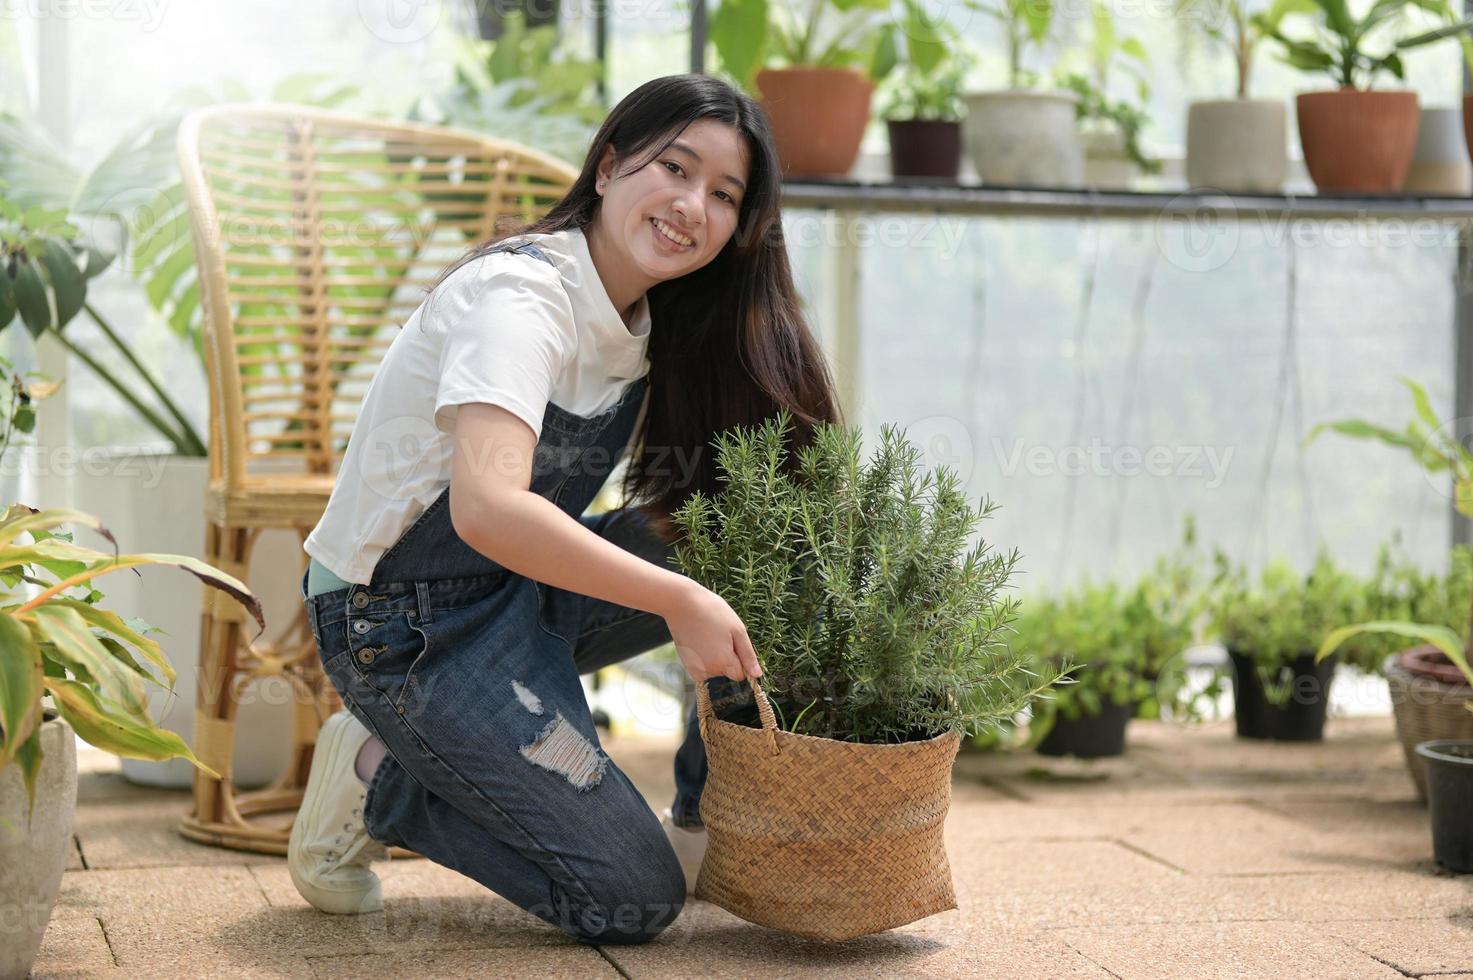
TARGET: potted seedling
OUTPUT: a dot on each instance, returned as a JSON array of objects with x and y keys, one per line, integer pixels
[
  {"x": 1271, "y": 628},
  {"x": 883, "y": 637},
  {"x": 1237, "y": 144},
  {"x": 1023, "y": 136},
  {"x": 1428, "y": 697},
  {"x": 1087, "y": 628},
  {"x": 923, "y": 112},
  {"x": 1356, "y": 139},
  {"x": 1110, "y": 129},
  {"x": 814, "y": 75}
]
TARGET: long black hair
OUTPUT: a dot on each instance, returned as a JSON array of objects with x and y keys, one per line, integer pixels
[{"x": 729, "y": 343}]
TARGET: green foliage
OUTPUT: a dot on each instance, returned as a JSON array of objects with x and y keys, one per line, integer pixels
[
  {"x": 1026, "y": 23},
  {"x": 910, "y": 93},
  {"x": 1108, "y": 53},
  {"x": 92, "y": 663},
  {"x": 521, "y": 87},
  {"x": 1240, "y": 30},
  {"x": 1337, "y": 44},
  {"x": 872, "y": 619},
  {"x": 1283, "y": 615},
  {"x": 871, "y": 35}
]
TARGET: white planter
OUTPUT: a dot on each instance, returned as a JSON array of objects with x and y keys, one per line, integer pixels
[
  {"x": 1238, "y": 145},
  {"x": 32, "y": 859},
  {"x": 154, "y": 502},
  {"x": 1019, "y": 138},
  {"x": 1440, "y": 161},
  {"x": 1107, "y": 166}
]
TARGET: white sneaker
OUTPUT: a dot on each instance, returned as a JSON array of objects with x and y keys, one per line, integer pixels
[
  {"x": 330, "y": 851},
  {"x": 690, "y": 848}
]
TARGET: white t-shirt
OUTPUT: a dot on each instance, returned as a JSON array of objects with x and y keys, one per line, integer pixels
[{"x": 506, "y": 329}]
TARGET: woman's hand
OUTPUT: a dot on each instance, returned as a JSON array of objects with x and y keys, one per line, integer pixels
[{"x": 709, "y": 636}]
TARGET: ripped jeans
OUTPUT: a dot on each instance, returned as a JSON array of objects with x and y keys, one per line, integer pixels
[{"x": 494, "y": 768}]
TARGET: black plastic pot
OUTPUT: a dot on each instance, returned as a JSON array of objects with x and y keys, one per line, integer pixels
[
  {"x": 1301, "y": 718},
  {"x": 1089, "y": 736},
  {"x": 1450, "y": 801},
  {"x": 925, "y": 148}
]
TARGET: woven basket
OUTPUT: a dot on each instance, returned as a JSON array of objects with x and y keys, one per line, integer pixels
[
  {"x": 1426, "y": 709},
  {"x": 821, "y": 838}
]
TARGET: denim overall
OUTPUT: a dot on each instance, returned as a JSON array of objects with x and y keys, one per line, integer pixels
[{"x": 469, "y": 674}]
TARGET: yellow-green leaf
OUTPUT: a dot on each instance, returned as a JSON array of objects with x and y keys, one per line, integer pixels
[
  {"x": 20, "y": 685},
  {"x": 76, "y": 644},
  {"x": 113, "y": 623},
  {"x": 97, "y": 724}
]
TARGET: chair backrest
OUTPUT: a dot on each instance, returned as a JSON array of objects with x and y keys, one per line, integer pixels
[{"x": 315, "y": 235}]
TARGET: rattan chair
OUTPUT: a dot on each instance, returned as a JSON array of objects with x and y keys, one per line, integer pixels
[{"x": 314, "y": 234}]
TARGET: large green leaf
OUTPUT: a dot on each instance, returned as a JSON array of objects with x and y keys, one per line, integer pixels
[
  {"x": 28, "y": 758},
  {"x": 76, "y": 644},
  {"x": 7, "y": 298},
  {"x": 923, "y": 37},
  {"x": 32, "y": 299},
  {"x": 20, "y": 685},
  {"x": 113, "y": 623},
  {"x": 738, "y": 30},
  {"x": 1439, "y": 636},
  {"x": 20, "y": 519},
  {"x": 101, "y": 724},
  {"x": 68, "y": 282}
]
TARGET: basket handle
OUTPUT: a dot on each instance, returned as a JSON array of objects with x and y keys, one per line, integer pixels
[{"x": 705, "y": 714}]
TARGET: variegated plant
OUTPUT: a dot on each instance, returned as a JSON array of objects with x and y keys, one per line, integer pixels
[
  {"x": 1438, "y": 449},
  {"x": 92, "y": 663}
]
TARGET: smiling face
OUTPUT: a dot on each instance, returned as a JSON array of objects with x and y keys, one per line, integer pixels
[{"x": 692, "y": 190}]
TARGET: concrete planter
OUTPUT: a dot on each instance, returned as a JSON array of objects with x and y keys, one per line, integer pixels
[
  {"x": 1019, "y": 138},
  {"x": 33, "y": 858},
  {"x": 1107, "y": 166},
  {"x": 155, "y": 502},
  {"x": 1440, "y": 161},
  {"x": 1238, "y": 145}
]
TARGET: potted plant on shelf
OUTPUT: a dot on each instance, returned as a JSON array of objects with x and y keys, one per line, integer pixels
[
  {"x": 1356, "y": 139},
  {"x": 882, "y": 637},
  {"x": 1110, "y": 129},
  {"x": 1238, "y": 144},
  {"x": 1271, "y": 629},
  {"x": 1023, "y": 136},
  {"x": 1427, "y": 693},
  {"x": 923, "y": 112},
  {"x": 814, "y": 82}
]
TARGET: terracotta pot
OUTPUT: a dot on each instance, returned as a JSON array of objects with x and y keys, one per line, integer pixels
[
  {"x": 818, "y": 117},
  {"x": 1431, "y": 662},
  {"x": 1468, "y": 123},
  {"x": 925, "y": 148},
  {"x": 1358, "y": 141}
]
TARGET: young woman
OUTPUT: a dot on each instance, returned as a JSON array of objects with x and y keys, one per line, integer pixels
[{"x": 456, "y": 588}]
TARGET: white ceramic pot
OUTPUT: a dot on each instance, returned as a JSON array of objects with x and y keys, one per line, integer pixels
[
  {"x": 33, "y": 858},
  {"x": 1018, "y": 138},
  {"x": 1107, "y": 166},
  {"x": 1238, "y": 145},
  {"x": 1440, "y": 161},
  {"x": 155, "y": 502}
]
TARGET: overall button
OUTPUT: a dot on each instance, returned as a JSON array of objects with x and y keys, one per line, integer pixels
[
  {"x": 360, "y": 599},
  {"x": 361, "y": 626},
  {"x": 365, "y": 656}
]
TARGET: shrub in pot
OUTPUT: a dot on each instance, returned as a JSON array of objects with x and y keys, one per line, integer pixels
[
  {"x": 923, "y": 110},
  {"x": 1356, "y": 139},
  {"x": 883, "y": 638},
  {"x": 1271, "y": 628},
  {"x": 1434, "y": 612},
  {"x": 1110, "y": 129},
  {"x": 61, "y": 644},
  {"x": 1237, "y": 144},
  {"x": 1023, "y": 136},
  {"x": 814, "y": 82}
]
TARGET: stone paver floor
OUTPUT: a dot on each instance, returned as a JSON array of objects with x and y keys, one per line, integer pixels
[{"x": 1195, "y": 855}]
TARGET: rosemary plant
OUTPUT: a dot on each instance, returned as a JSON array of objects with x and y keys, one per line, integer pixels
[{"x": 872, "y": 618}]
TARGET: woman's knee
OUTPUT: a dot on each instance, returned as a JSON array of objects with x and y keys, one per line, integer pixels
[{"x": 628, "y": 908}]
